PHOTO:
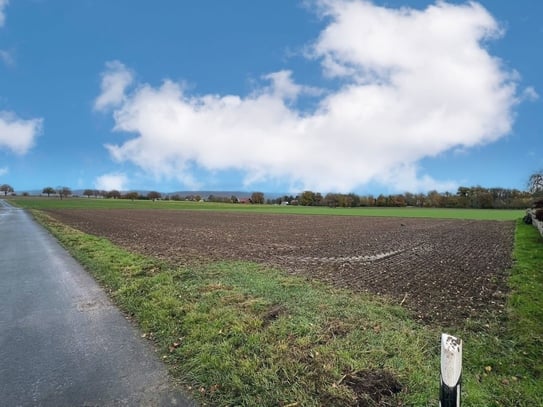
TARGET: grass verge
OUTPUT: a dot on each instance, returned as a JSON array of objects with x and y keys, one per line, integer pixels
[
  {"x": 237, "y": 333},
  {"x": 508, "y": 351}
]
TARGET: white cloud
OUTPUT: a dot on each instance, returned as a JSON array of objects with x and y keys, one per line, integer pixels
[
  {"x": 4, "y": 171},
  {"x": 283, "y": 87},
  {"x": 108, "y": 182},
  {"x": 7, "y": 58},
  {"x": 115, "y": 80},
  {"x": 3, "y": 4},
  {"x": 416, "y": 84},
  {"x": 530, "y": 94},
  {"x": 405, "y": 178},
  {"x": 16, "y": 134}
]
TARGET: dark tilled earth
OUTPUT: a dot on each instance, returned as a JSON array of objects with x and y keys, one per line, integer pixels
[{"x": 443, "y": 271}]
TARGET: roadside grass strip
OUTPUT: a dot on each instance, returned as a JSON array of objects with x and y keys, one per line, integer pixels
[
  {"x": 242, "y": 334},
  {"x": 526, "y": 299},
  {"x": 506, "y": 351}
]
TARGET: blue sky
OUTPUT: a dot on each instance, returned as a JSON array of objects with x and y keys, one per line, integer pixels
[{"x": 277, "y": 96}]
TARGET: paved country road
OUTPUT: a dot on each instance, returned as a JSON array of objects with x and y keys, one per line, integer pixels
[{"x": 62, "y": 342}]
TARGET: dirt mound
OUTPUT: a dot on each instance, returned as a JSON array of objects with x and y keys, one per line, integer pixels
[{"x": 373, "y": 388}]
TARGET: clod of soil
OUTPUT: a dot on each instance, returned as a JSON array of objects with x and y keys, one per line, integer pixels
[
  {"x": 373, "y": 388},
  {"x": 273, "y": 313},
  {"x": 443, "y": 271}
]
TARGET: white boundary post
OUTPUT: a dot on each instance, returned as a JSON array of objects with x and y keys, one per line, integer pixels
[{"x": 451, "y": 371}]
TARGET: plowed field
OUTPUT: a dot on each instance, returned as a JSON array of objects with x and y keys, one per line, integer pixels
[{"x": 441, "y": 270}]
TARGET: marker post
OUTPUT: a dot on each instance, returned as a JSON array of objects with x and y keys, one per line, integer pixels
[{"x": 451, "y": 371}]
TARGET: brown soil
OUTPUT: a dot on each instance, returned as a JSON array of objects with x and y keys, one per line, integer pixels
[
  {"x": 441, "y": 270},
  {"x": 373, "y": 388}
]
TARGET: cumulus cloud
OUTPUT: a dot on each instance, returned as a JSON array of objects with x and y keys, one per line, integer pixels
[
  {"x": 415, "y": 84},
  {"x": 108, "y": 182},
  {"x": 115, "y": 79},
  {"x": 16, "y": 134}
]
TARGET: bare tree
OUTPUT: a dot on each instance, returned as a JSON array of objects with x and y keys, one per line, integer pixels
[
  {"x": 535, "y": 183},
  {"x": 131, "y": 195},
  {"x": 154, "y": 195},
  {"x": 257, "y": 197},
  {"x": 64, "y": 192},
  {"x": 113, "y": 194}
]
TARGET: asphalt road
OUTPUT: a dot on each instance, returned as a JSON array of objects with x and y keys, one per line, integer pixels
[{"x": 62, "y": 342}]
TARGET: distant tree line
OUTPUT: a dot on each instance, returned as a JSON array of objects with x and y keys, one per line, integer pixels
[
  {"x": 61, "y": 192},
  {"x": 64, "y": 192},
  {"x": 465, "y": 197}
]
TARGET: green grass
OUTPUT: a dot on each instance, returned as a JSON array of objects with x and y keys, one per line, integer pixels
[
  {"x": 242, "y": 334},
  {"x": 509, "y": 350},
  {"x": 86, "y": 203},
  {"x": 526, "y": 299}
]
